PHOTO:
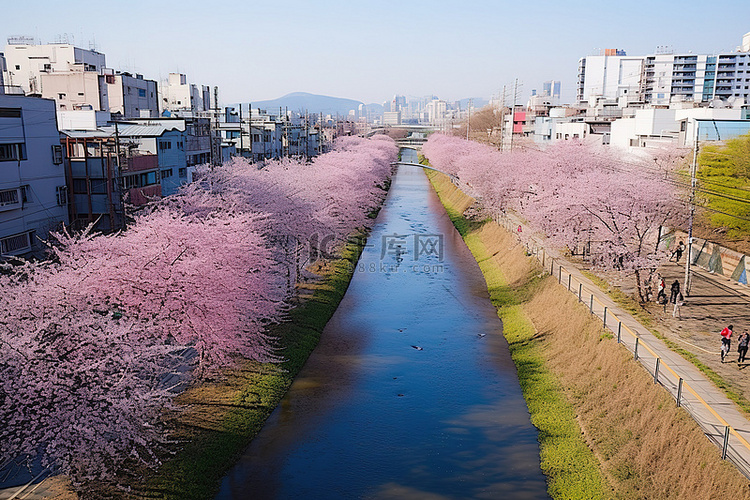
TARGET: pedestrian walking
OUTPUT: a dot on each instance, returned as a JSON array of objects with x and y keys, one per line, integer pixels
[
  {"x": 661, "y": 295},
  {"x": 677, "y": 305},
  {"x": 677, "y": 254},
  {"x": 742, "y": 343},
  {"x": 674, "y": 291},
  {"x": 726, "y": 334}
]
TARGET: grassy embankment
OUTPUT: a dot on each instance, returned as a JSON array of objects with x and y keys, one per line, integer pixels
[
  {"x": 605, "y": 429},
  {"x": 724, "y": 189}
]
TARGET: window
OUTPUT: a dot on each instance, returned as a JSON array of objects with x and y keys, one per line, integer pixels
[
  {"x": 98, "y": 186},
  {"x": 182, "y": 172},
  {"x": 10, "y": 112},
  {"x": 26, "y": 194},
  {"x": 150, "y": 178},
  {"x": 12, "y": 152},
  {"x": 110, "y": 79},
  {"x": 61, "y": 193},
  {"x": 130, "y": 181},
  {"x": 141, "y": 92},
  {"x": 61, "y": 96},
  {"x": 15, "y": 244},
  {"x": 57, "y": 154},
  {"x": 9, "y": 197},
  {"x": 18, "y": 66},
  {"x": 80, "y": 186},
  {"x": 165, "y": 145},
  {"x": 167, "y": 172}
]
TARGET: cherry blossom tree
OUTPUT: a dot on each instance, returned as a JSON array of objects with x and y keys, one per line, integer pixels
[
  {"x": 89, "y": 339},
  {"x": 78, "y": 387},
  {"x": 579, "y": 195}
]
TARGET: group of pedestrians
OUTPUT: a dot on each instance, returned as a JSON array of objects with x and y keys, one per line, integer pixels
[
  {"x": 677, "y": 300},
  {"x": 675, "y": 297},
  {"x": 726, "y": 342}
]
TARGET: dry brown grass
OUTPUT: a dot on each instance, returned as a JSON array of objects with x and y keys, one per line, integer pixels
[{"x": 646, "y": 446}]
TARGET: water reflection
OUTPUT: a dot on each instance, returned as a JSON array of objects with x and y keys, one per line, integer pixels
[{"x": 411, "y": 392}]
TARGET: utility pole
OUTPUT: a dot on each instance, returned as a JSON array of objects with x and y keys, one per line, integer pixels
[
  {"x": 513, "y": 114},
  {"x": 242, "y": 132},
  {"x": 502, "y": 120},
  {"x": 250, "y": 127},
  {"x": 117, "y": 175},
  {"x": 468, "y": 121},
  {"x": 693, "y": 183},
  {"x": 215, "y": 145}
]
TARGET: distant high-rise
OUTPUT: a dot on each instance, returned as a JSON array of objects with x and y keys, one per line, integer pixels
[
  {"x": 551, "y": 89},
  {"x": 398, "y": 103}
]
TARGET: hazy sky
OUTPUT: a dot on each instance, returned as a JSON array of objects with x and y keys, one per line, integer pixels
[{"x": 370, "y": 50}]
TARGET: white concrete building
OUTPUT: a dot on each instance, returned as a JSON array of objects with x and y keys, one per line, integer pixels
[
  {"x": 27, "y": 62},
  {"x": 649, "y": 127},
  {"x": 33, "y": 192},
  {"x": 176, "y": 94},
  {"x": 84, "y": 119},
  {"x": 609, "y": 75},
  {"x": 76, "y": 89},
  {"x": 131, "y": 96},
  {"x": 652, "y": 127}
]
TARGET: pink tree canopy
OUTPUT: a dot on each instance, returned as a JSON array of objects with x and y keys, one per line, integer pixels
[
  {"x": 581, "y": 196},
  {"x": 88, "y": 339}
]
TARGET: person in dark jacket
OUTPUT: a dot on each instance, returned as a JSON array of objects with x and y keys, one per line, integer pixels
[
  {"x": 674, "y": 292},
  {"x": 742, "y": 344}
]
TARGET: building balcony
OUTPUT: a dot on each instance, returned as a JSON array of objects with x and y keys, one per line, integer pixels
[{"x": 140, "y": 163}]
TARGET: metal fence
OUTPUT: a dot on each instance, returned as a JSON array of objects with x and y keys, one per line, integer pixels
[{"x": 733, "y": 442}]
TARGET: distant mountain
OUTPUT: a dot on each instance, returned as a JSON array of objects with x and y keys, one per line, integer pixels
[{"x": 312, "y": 103}]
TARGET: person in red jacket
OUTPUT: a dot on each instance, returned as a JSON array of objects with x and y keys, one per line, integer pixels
[{"x": 726, "y": 334}]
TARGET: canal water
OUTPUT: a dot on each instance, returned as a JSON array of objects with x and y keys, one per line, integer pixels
[{"x": 411, "y": 392}]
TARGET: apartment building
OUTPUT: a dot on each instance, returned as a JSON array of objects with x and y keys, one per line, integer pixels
[
  {"x": 176, "y": 94},
  {"x": 78, "y": 79},
  {"x": 610, "y": 75},
  {"x": 33, "y": 192},
  {"x": 664, "y": 78},
  {"x": 27, "y": 62},
  {"x": 131, "y": 96}
]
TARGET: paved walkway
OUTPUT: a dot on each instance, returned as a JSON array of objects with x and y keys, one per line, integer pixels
[{"x": 713, "y": 297}]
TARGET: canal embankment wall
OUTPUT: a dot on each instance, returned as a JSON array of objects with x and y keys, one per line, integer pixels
[{"x": 605, "y": 429}]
